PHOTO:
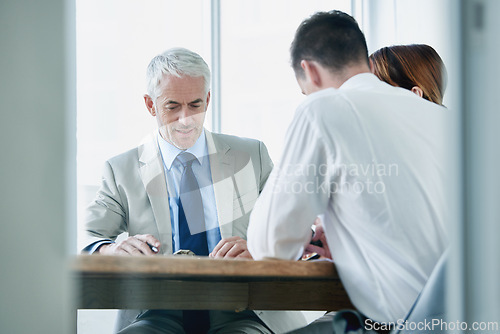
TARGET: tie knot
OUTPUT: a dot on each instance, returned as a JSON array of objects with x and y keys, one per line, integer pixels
[{"x": 186, "y": 158}]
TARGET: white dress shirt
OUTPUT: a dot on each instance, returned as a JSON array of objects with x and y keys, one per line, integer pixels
[
  {"x": 201, "y": 169},
  {"x": 370, "y": 157}
]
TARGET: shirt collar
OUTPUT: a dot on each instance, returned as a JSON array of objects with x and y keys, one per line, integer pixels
[
  {"x": 361, "y": 79},
  {"x": 357, "y": 81},
  {"x": 169, "y": 152}
]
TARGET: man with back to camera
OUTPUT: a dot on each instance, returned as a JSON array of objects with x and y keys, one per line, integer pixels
[
  {"x": 185, "y": 188},
  {"x": 368, "y": 156}
]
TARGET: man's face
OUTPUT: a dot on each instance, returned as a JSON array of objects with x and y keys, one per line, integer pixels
[{"x": 180, "y": 109}]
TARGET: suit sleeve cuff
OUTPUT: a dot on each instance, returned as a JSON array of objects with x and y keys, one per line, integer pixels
[{"x": 90, "y": 249}]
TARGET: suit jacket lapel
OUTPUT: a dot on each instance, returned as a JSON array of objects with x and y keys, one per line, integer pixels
[
  {"x": 222, "y": 168},
  {"x": 153, "y": 177}
]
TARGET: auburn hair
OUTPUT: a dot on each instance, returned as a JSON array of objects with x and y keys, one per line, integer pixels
[{"x": 412, "y": 65}]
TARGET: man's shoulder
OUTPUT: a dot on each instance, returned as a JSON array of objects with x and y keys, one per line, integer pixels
[
  {"x": 146, "y": 150},
  {"x": 323, "y": 106},
  {"x": 235, "y": 141},
  {"x": 125, "y": 158}
]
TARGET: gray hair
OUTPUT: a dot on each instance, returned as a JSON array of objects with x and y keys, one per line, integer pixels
[{"x": 178, "y": 62}]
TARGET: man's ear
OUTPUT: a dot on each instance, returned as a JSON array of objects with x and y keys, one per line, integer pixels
[
  {"x": 208, "y": 101},
  {"x": 150, "y": 104},
  {"x": 417, "y": 90},
  {"x": 311, "y": 72}
]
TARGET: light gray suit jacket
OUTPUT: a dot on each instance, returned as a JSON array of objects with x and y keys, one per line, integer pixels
[{"x": 133, "y": 198}]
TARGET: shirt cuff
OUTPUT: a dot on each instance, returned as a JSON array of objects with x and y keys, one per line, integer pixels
[{"x": 93, "y": 247}]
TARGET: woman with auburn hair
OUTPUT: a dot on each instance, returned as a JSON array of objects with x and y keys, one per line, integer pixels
[{"x": 416, "y": 67}]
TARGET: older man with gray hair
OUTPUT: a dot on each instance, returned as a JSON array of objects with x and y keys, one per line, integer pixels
[{"x": 184, "y": 189}]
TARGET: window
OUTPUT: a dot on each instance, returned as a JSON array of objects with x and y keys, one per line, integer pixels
[{"x": 258, "y": 87}]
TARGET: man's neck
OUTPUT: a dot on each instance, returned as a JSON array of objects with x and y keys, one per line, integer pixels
[{"x": 336, "y": 80}]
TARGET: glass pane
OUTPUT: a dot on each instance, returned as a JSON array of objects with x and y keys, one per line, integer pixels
[{"x": 259, "y": 91}]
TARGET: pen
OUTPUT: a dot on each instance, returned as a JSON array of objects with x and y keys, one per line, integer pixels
[{"x": 153, "y": 248}]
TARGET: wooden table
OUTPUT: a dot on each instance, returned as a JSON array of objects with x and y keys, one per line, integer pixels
[{"x": 183, "y": 282}]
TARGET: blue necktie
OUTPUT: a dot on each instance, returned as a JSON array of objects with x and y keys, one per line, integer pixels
[
  {"x": 192, "y": 230},
  {"x": 192, "y": 234}
]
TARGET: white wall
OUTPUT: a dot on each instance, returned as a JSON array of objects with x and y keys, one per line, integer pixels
[{"x": 36, "y": 113}]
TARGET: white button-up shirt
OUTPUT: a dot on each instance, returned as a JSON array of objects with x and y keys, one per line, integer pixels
[{"x": 370, "y": 157}]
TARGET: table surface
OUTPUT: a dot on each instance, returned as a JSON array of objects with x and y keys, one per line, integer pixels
[{"x": 185, "y": 282}]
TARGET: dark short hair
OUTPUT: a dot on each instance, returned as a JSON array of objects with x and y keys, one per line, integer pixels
[{"x": 333, "y": 39}]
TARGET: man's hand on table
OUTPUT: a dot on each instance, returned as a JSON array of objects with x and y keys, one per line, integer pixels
[
  {"x": 135, "y": 245},
  {"x": 319, "y": 235},
  {"x": 233, "y": 247}
]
